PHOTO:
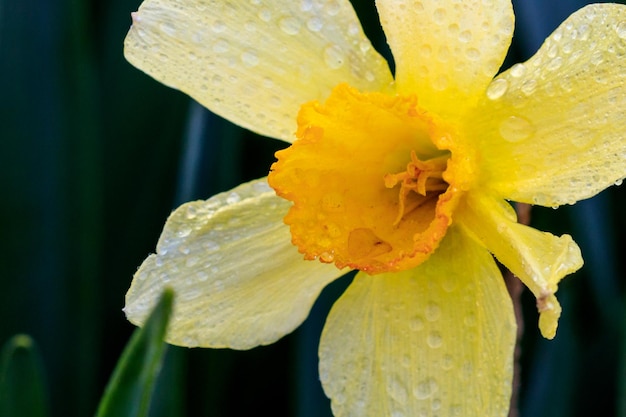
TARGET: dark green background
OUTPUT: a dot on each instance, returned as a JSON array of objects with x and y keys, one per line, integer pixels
[{"x": 94, "y": 155}]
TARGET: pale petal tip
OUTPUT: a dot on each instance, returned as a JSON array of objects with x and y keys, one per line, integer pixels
[
  {"x": 135, "y": 17},
  {"x": 549, "y": 313}
]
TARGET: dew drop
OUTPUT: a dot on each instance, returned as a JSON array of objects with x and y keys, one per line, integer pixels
[
  {"x": 473, "y": 54},
  {"x": 555, "y": 64},
  {"x": 333, "y": 7},
  {"x": 315, "y": 24},
  {"x": 497, "y": 88},
  {"x": 621, "y": 29},
  {"x": 202, "y": 276},
  {"x": 334, "y": 57},
  {"x": 465, "y": 36},
  {"x": 516, "y": 129},
  {"x": 440, "y": 83},
  {"x": 433, "y": 312},
  {"x": 327, "y": 257},
  {"x": 425, "y": 389},
  {"x": 250, "y": 58},
  {"x": 289, "y": 25},
  {"x": 221, "y": 46},
  {"x": 434, "y": 340},
  {"x": 447, "y": 362},
  {"x": 167, "y": 28},
  {"x": 265, "y": 15},
  {"x": 416, "y": 323},
  {"x": 436, "y": 404},
  {"x": 518, "y": 70},
  {"x": 439, "y": 15},
  {"x": 233, "y": 198},
  {"x": 306, "y": 5},
  {"x": 192, "y": 261},
  {"x": 529, "y": 86},
  {"x": 619, "y": 182},
  {"x": 397, "y": 390}
]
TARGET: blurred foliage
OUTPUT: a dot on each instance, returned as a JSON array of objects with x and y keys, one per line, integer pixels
[
  {"x": 94, "y": 155},
  {"x": 130, "y": 389},
  {"x": 22, "y": 387}
]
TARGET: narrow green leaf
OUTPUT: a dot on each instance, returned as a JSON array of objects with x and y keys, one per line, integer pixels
[
  {"x": 131, "y": 386},
  {"x": 22, "y": 392}
]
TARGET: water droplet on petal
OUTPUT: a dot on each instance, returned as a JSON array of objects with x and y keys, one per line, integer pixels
[
  {"x": 334, "y": 57},
  {"x": 327, "y": 257},
  {"x": 265, "y": 15},
  {"x": 497, "y": 88},
  {"x": 250, "y": 58},
  {"x": 621, "y": 29},
  {"x": 397, "y": 390},
  {"x": 518, "y": 70},
  {"x": 233, "y": 198},
  {"x": 465, "y": 36},
  {"x": 333, "y": 7},
  {"x": 315, "y": 24},
  {"x": 433, "y": 312},
  {"x": 529, "y": 86},
  {"x": 434, "y": 340},
  {"x": 473, "y": 54},
  {"x": 516, "y": 129},
  {"x": 416, "y": 323},
  {"x": 221, "y": 46},
  {"x": 425, "y": 389},
  {"x": 439, "y": 15}
]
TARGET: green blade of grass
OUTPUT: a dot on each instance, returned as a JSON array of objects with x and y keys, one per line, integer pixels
[
  {"x": 130, "y": 389},
  {"x": 22, "y": 387}
]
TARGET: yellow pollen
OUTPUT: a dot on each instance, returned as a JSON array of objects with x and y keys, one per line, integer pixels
[{"x": 422, "y": 177}]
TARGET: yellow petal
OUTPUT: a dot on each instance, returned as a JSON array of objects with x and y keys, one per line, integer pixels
[
  {"x": 254, "y": 62},
  {"x": 538, "y": 258},
  {"x": 552, "y": 130},
  {"x": 238, "y": 281},
  {"x": 436, "y": 340},
  {"x": 447, "y": 51}
]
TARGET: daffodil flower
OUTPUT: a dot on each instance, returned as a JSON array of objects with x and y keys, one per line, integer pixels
[{"x": 405, "y": 177}]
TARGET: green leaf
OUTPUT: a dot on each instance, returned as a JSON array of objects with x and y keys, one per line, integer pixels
[
  {"x": 22, "y": 392},
  {"x": 131, "y": 386}
]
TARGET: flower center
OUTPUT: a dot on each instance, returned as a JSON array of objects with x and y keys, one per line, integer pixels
[
  {"x": 343, "y": 173},
  {"x": 422, "y": 177}
]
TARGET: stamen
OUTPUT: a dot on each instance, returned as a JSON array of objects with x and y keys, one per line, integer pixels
[{"x": 422, "y": 177}]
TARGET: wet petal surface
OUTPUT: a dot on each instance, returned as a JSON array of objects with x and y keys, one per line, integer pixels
[{"x": 238, "y": 281}]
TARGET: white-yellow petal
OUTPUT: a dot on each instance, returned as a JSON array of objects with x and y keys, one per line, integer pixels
[
  {"x": 255, "y": 62},
  {"x": 436, "y": 340},
  {"x": 538, "y": 258},
  {"x": 447, "y": 51},
  {"x": 238, "y": 280},
  {"x": 553, "y": 130}
]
